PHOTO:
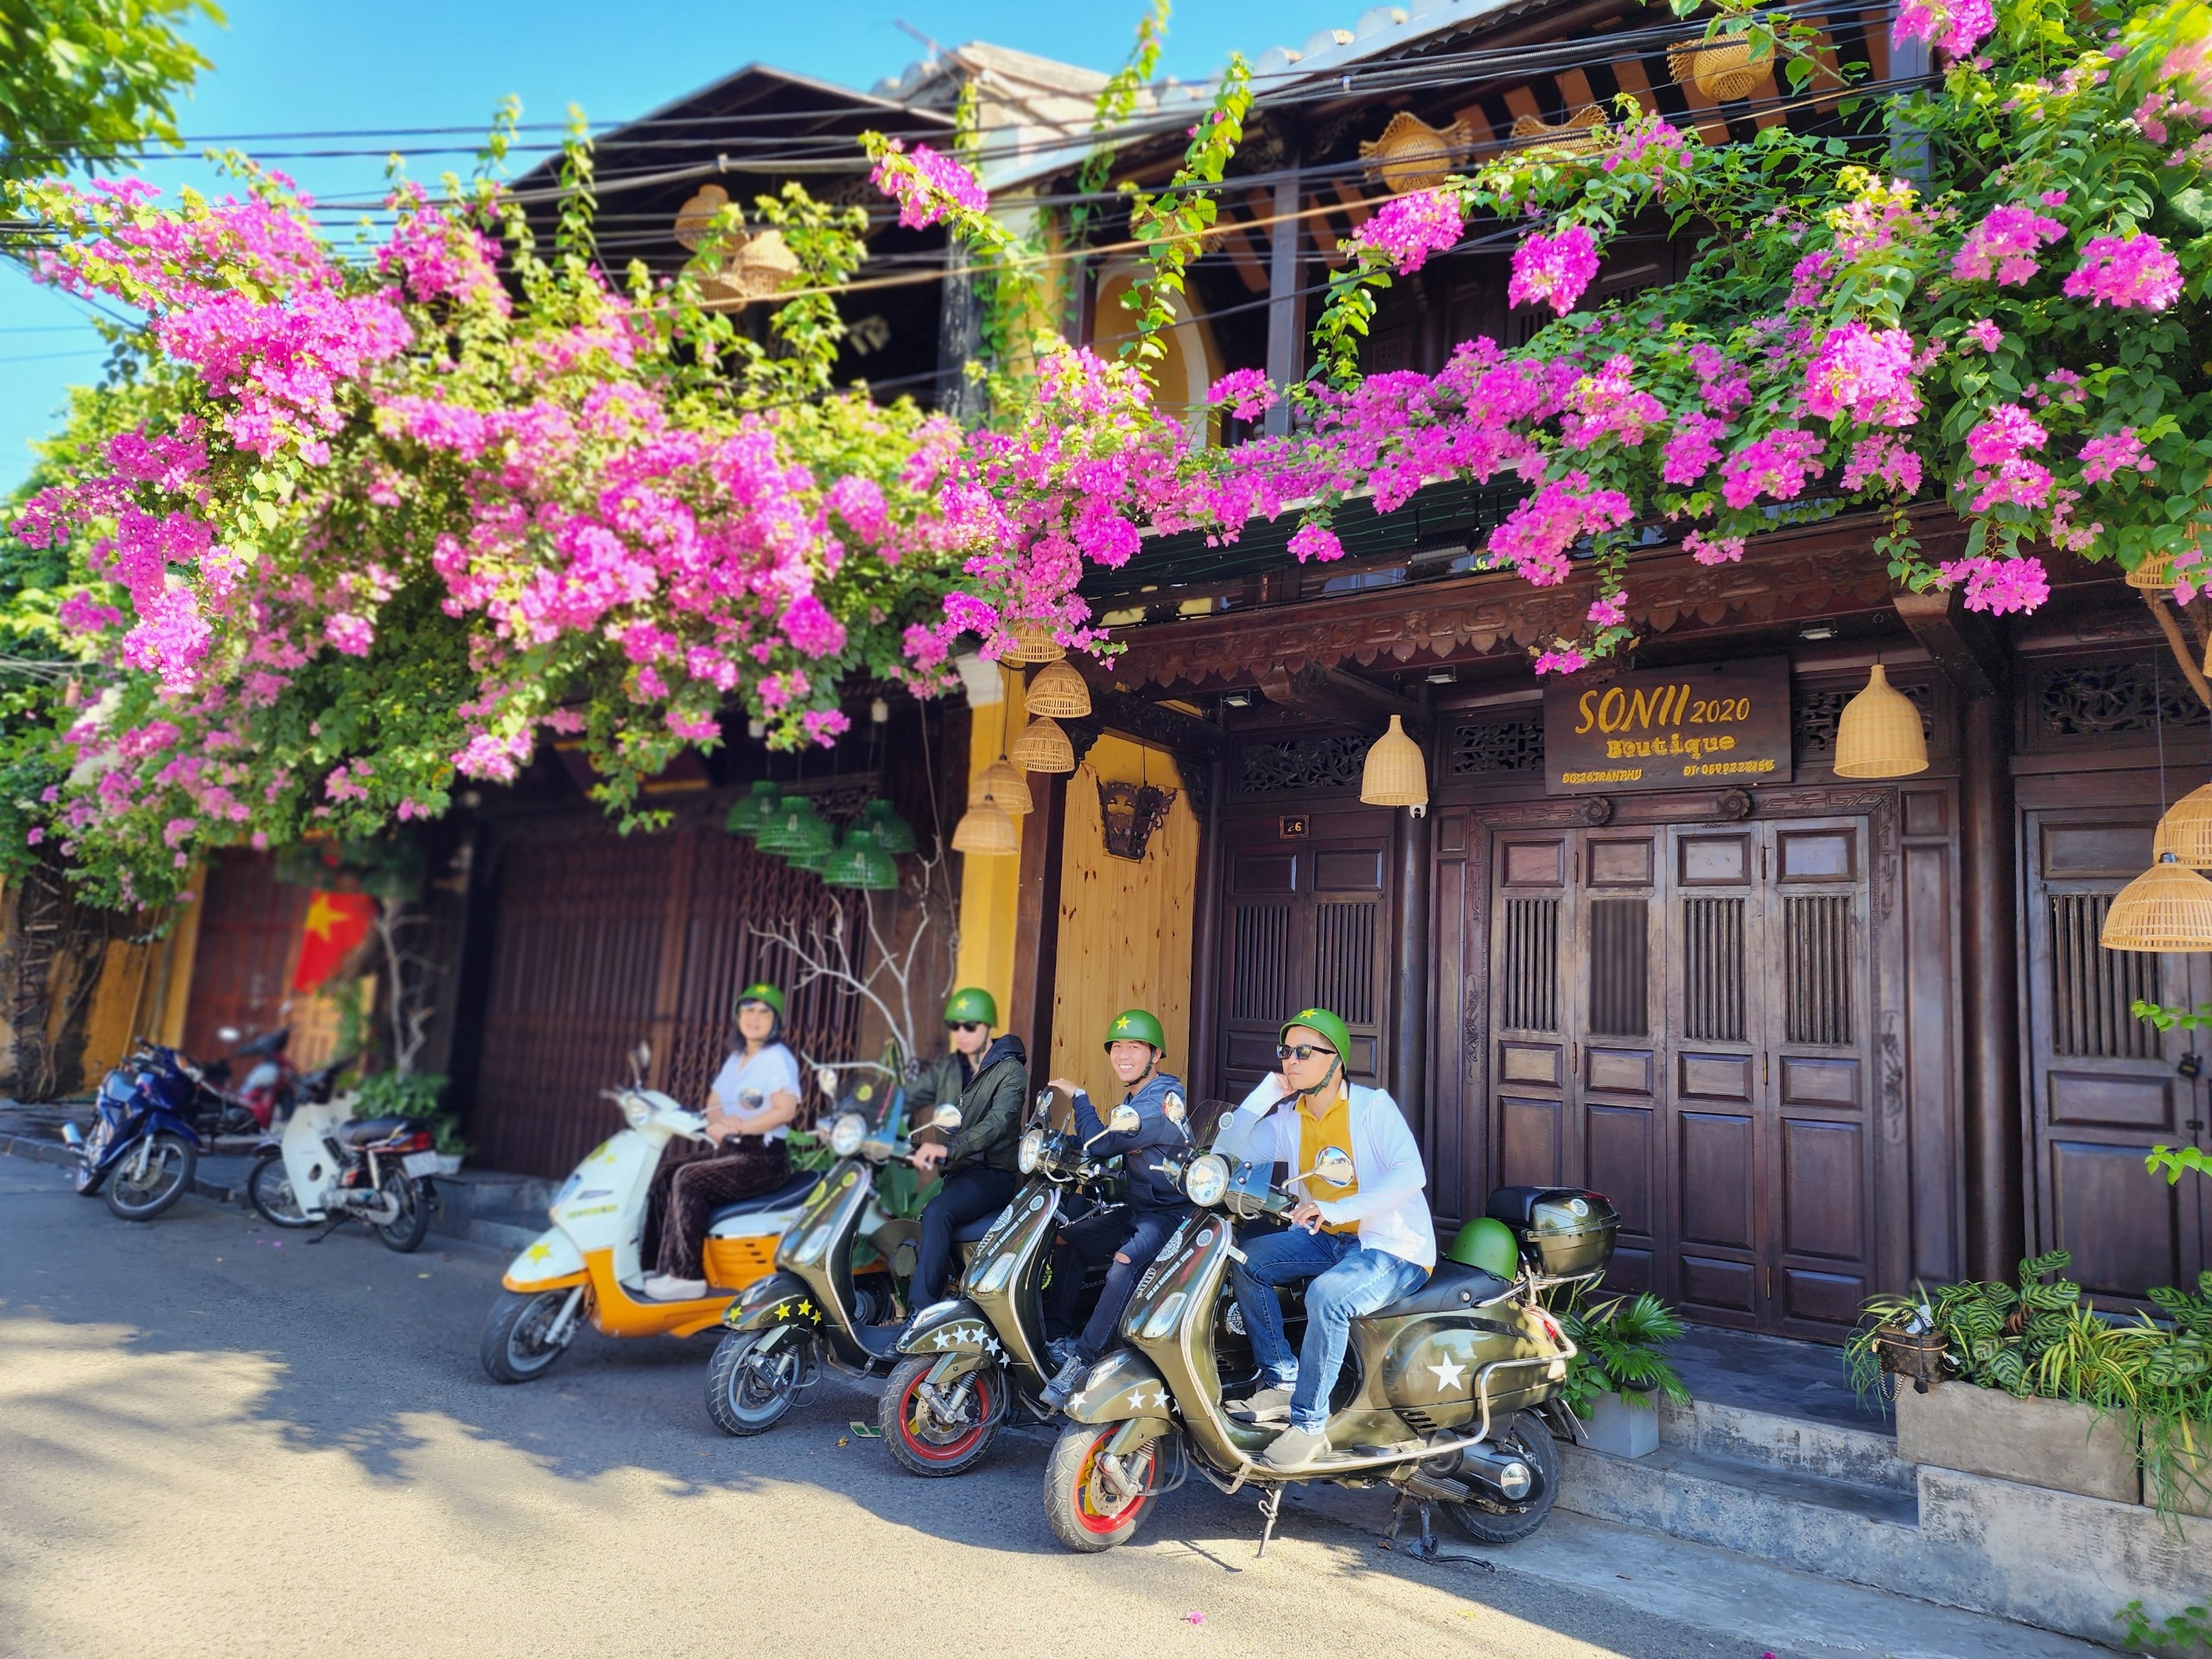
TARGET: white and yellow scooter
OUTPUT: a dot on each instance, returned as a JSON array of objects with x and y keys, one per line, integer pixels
[{"x": 586, "y": 1267}]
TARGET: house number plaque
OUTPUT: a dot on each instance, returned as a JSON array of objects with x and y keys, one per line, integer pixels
[{"x": 1720, "y": 726}]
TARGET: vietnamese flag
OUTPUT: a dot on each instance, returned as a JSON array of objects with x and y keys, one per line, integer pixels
[{"x": 336, "y": 923}]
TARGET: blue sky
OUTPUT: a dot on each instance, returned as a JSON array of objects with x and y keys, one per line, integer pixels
[{"x": 314, "y": 66}]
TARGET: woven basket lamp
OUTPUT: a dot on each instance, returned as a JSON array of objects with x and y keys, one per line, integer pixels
[
  {"x": 2186, "y": 831},
  {"x": 1721, "y": 68},
  {"x": 1034, "y": 643},
  {"x": 2153, "y": 573},
  {"x": 1058, "y": 691},
  {"x": 985, "y": 830},
  {"x": 1000, "y": 782},
  {"x": 1879, "y": 734},
  {"x": 2167, "y": 907},
  {"x": 1396, "y": 773},
  {"x": 1043, "y": 746}
]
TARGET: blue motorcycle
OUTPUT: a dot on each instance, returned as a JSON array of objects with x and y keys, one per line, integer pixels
[{"x": 142, "y": 1148}]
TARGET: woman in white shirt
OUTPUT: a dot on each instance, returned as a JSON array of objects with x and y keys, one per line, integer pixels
[{"x": 749, "y": 1110}]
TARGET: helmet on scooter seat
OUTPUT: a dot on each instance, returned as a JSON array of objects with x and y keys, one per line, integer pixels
[
  {"x": 767, "y": 996},
  {"x": 972, "y": 1003},
  {"x": 1137, "y": 1026}
]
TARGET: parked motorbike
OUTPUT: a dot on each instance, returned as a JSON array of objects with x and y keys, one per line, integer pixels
[
  {"x": 835, "y": 1285},
  {"x": 271, "y": 1088},
  {"x": 1444, "y": 1393},
  {"x": 142, "y": 1148},
  {"x": 971, "y": 1358},
  {"x": 587, "y": 1266},
  {"x": 328, "y": 1167}
]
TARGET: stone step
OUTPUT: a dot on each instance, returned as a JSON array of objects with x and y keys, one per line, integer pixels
[{"x": 1785, "y": 1443}]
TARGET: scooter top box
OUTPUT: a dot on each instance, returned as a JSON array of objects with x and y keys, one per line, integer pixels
[{"x": 1565, "y": 1231}]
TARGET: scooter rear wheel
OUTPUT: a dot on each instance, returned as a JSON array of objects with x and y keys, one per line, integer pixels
[
  {"x": 747, "y": 1392},
  {"x": 1494, "y": 1520},
  {"x": 922, "y": 1442},
  {"x": 269, "y": 1190},
  {"x": 515, "y": 1349},
  {"x": 170, "y": 1159},
  {"x": 405, "y": 1230},
  {"x": 1081, "y": 1507}
]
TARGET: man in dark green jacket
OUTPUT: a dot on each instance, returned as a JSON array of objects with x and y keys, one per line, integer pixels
[{"x": 977, "y": 1160}]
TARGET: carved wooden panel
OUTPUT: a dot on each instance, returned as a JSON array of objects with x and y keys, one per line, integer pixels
[
  {"x": 1820, "y": 969},
  {"x": 1713, "y": 970}
]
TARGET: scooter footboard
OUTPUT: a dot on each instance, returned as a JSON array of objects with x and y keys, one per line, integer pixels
[{"x": 780, "y": 1298}]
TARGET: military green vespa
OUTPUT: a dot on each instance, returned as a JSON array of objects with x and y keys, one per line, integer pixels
[{"x": 1444, "y": 1396}]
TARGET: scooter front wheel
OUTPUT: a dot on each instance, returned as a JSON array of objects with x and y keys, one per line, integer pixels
[
  {"x": 269, "y": 1190},
  {"x": 1087, "y": 1513},
  {"x": 140, "y": 1191},
  {"x": 521, "y": 1338},
  {"x": 933, "y": 1438},
  {"x": 748, "y": 1391}
]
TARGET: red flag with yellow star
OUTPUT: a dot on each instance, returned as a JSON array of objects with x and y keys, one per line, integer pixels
[{"x": 336, "y": 923}]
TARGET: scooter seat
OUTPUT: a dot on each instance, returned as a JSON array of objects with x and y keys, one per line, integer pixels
[
  {"x": 363, "y": 1130},
  {"x": 1454, "y": 1288},
  {"x": 789, "y": 1193}
]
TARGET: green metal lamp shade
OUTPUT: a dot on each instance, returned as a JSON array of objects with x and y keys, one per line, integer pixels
[
  {"x": 751, "y": 811},
  {"x": 892, "y": 833},
  {"x": 861, "y": 862}
]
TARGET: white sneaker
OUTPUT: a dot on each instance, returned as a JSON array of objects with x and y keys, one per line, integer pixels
[{"x": 662, "y": 1287}]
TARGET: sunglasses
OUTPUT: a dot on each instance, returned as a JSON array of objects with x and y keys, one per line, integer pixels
[
  {"x": 964, "y": 1025},
  {"x": 1300, "y": 1051}
]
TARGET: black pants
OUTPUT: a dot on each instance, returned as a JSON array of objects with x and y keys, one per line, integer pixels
[
  {"x": 1136, "y": 1235},
  {"x": 966, "y": 1194}
]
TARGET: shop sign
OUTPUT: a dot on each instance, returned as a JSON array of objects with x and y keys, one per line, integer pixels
[{"x": 1723, "y": 727}]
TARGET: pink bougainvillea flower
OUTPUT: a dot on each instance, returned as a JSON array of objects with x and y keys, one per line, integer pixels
[
  {"x": 2111, "y": 453},
  {"x": 2125, "y": 271},
  {"x": 1249, "y": 393},
  {"x": 1864, "y": 374},
  {"x": 1713, "y": 549},
  {"x": 1316, "y": 542},
  {"x": 1406, "y": 230},
  {"x": 2000, "y": 586},
  {"x": 1555, "y": 269},
  {"x": 1953, "y": 26},
  {"x": 2003, "y": 246}
]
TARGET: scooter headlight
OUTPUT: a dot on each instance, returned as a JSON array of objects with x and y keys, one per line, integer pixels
[
  {"x": 1164, "y": 1316},
  {"x": 847, "y": 1134},
  {"x": 1032, "y": 1149},
  {"x": 1206, "y": 1180},
  {"x": 994, "y": 1276},
  {"x": 635, "y": 1109}
]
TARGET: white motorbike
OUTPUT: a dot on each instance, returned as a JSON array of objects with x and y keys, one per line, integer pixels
[
  {"x": 587, "y": 1266},
  {"x": 329, "y": 1167}
]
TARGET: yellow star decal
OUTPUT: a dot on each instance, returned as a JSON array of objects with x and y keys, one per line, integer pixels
[
  {"x": 540, "y": 1251},
  {"x": 807, "y": 1308},
  {"x": 782, "y": 1309}
]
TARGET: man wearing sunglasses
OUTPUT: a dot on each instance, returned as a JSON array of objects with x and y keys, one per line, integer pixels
[
  {"x": 989, "y": 1080},
  {"x": 1357, "y": 1246}
]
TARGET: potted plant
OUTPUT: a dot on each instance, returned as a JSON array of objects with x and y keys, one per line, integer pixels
[{"x": 1615, "y": 1381}]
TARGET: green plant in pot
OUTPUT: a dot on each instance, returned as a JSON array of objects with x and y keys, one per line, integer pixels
[{"x": 1623, "y": 1342}]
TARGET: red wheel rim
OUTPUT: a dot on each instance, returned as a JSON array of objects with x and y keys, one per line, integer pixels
[
  {"x": 944, "y": 1450},
  {"x": 1088, "y": 1518}
]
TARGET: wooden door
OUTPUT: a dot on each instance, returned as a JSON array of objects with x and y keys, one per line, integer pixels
[
  {"x": 2105, "y": 1087},
  {"x": 1682, "y": 1025},
  {"x": 241, "y": 966}
]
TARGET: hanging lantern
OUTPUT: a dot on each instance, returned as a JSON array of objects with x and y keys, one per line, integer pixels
[
  {"x": 2153, "y": 573},
  {"x": 1721, "y": 68},
  {"x": 2167, "y": 907},
  {"x": 892, "y": 833},
  {"x": 1396, "y": 773},
  {"x": 1000, "y": 782},
  {"x": 985, "y": 830},
  {"x": 752, "y": 808},
  {"x": 1033, "y": 643},
  {"x": 1059, "y": 692},
  {"x": 2186, "y": 831},
  {"x": 813, "y": 860},
  {"x": 1879, "y": 734},
  {"x": 1043, "y": 746},
  {"x": 859, "y": 862},
  {"x": 796, "y": 829}
]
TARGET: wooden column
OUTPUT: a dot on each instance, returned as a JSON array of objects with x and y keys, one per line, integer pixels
[
  {"x": 1995, "y": 1229},
  {"x": 1037, "y": 921},
  {"x": 1411, "y": 1014},
  {"x": 1200, "y": 1066},
  {"x": 1285, "y": 305}
]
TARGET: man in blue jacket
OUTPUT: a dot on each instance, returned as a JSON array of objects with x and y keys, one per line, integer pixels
[{"x": 1130, "y": 1236}]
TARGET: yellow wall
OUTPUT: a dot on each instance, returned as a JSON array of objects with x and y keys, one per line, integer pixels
[
  {"x": 1125, "y": 927},
  {"x": 121, "y": 1004},
  {"x": 991, "y": 887}
]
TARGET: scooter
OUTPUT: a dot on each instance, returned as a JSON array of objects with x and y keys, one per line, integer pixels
[
  {"x": 330, "y": 1167},
  {"x": 587, "y": 1266},
  {"x": 833, "y": 1288},
  {"x": 971, "y": 1358},
  {"x": 142, "y": 1149},
  {"x": 1444, "y": 1395}
]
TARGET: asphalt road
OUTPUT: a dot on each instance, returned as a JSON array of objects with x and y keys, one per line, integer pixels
[{"x": 216, "y": 1439}]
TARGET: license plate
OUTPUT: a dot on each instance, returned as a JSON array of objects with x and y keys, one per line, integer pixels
[{"x": 420, "y": 1163}]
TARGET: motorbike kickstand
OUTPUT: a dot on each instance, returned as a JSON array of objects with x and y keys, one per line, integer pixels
[
  {"x": 1270, "y": 1507},
  {"x": 1425, "y": 1549},
  {"x": 336, "y": 1222}
]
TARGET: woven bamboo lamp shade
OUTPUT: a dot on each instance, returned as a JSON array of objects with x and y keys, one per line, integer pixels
[
  {"x": 2154, "y": 574},
  {"x": 1396, "y": 773},
  {"x": 1879, "y": 734},
  {"x": 2186, "y": 831},
  {"x": 2167, "y": 907},
  {"x": 1001, "y": 783},
  {"x": 1058, "y": 691},
  {"x": 985, "y": 830},
  {"x": 1721, "y": 68},
  {"x": 1043, "y": 746},
  {"x": 1034, "y": 643}
]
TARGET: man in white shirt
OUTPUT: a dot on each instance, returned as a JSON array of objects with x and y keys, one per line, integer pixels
[{"x": 1365, "y": 1245}]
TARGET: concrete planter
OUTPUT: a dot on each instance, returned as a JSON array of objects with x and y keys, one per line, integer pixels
[
  {"x": 2050, "y": 1443},
  {"x": 1613, "y": 1425},
  {"x": 2195, "y": 1473}
]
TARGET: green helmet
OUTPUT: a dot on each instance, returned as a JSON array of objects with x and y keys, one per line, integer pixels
[
  {"x": 761, "y": 992},
  {"x": 972, "y": 1002},
  {"x": 1337, "y": 1034},
  {"x": 1137, "y": 1026}
]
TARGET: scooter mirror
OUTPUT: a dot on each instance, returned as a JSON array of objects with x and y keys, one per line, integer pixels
[
  {"x": 641, "y": 1058},
  {"x": 226, "y": 1033},
  {"x": 1125, "y": 1119},
  {"x": 947, "y": 1116},
  {"x": 1334, "y": 1166},
  {"x": 827, "y": 1077}
]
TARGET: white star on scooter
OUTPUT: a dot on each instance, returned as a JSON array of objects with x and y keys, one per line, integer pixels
[
  {"x": 1449, "y": 1375},
  {"x": 943, "y": 1338}
]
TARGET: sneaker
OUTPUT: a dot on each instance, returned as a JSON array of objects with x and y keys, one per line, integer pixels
[
  {"x": 1060, "y": 1350},
  {"x": 1295, "y": 1449},
  {"x": 1066, "y": 1381},
  {"x": 664, "y": 1287},
  {"x": 1269, "y": 1405}
]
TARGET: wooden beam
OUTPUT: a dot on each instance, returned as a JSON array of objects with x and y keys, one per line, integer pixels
[
  {"x": 1285, "y": 305},
  {"x": 1334, "y": 695},
  {"x": 1154, "y": 723},
  {"x": 1963, "y": 645}
]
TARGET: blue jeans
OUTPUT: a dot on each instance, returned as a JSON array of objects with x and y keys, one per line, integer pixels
[{"x": 1346, "y": 1283}]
